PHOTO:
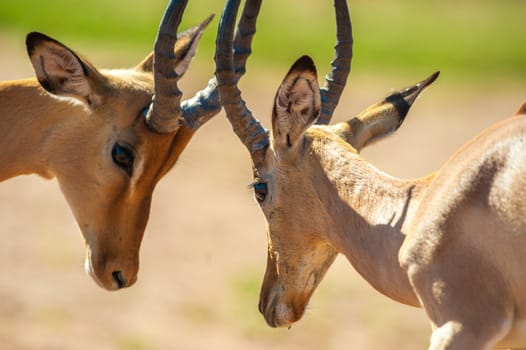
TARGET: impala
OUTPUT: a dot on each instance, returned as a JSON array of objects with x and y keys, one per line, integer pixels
[
  {"x": 99, "y": 133},
  {"x": 453, "y": 242}
]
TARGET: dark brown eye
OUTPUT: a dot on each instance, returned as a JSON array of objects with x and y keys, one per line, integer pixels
[
  {"x": 124, "y": 157},
  {"x": 261, "y": 191}
]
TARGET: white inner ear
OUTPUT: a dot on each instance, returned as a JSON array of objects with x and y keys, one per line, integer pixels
[
  {"x": 182, "y": 66},
  {"x": 296, "y": 103},
  {"x": 62, "y": 66},
  {"x": 300, "y": 99}
]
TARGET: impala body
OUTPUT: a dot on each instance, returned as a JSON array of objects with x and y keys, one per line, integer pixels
[
  {"x": 466, "y": 246},
  {"x": 453, "y": 242},
  {"x": 101, "y": 136}
]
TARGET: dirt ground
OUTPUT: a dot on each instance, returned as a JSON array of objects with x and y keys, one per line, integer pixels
[{"x": 204, "y": 251}]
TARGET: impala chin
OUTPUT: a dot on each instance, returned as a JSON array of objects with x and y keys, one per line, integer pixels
[
  {"x": 286, "y": 291},
  {"x": 283, "y": 315},
  {"x": 282, "y": 310}
]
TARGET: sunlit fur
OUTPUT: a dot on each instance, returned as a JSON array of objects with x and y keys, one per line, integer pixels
[
  {"x": 453, "y": 242},
  {"x": 69, "y": 133}
]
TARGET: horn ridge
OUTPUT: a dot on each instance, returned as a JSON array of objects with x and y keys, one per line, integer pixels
[
  {"x": 247, "y": 128},
  {"x": 164, "y": 115},
  {"x": 341, "y": 64}
]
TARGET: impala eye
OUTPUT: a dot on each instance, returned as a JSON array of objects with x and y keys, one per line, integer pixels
[
  {"x": 123, "y": 156},
  {"x": 261, "y": 191},
  {"x": 145, "y": 110}
]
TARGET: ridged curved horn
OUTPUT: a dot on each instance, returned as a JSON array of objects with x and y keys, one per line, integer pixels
[
  {"x": 165, "y": 110},
  {"x": 246, "y": 29},
  {"x": 247, "y": 128},
  {"x": 206, "y": 104},
  {"x": 341, "y": 64}
]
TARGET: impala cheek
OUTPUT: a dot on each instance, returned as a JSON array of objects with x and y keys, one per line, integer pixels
[{"x": 311, "y": 283}]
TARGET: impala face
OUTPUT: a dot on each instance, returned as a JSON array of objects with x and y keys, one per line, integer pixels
[
  {"x": 298, "y": 256},
  {"x": 109, "y": 183},
  {"x": 107, "y": 148}
]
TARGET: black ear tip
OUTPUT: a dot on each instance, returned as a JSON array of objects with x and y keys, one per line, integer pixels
[
  {"x": 33, "y": 39},
  {"x": 208, "y": 19},
  {"x": 197, "y": 29},
  {"x": 431, "y": 79},
  {"x": 304, "y": 63}
]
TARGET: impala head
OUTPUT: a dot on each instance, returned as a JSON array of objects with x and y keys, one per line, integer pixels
[
  {"x": 289, "y": 180},
  {"x": 116, "y": 143}
]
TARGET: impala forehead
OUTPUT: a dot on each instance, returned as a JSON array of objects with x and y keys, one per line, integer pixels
[
  {"x": 130, "y": 78},
  {"x": 278, "y": 172},
  {"x": 282, "y": 163},
  {"x": 293, "y": 175},
  {"x": 126, "y": 96},
  {"x": 129, "y": 86},
  {"x": 132, "y": 93}
]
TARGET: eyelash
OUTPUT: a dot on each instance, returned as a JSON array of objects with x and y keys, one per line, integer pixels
[
  {"x": 145, "y": 110},
  {"x": 260, "y": 191},
  {"x": 123, "y": 156}
]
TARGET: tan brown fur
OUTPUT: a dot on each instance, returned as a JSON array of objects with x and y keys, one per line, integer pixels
[
  {"x": 68, "y": 133},
  {"x": 453, "y": 242}
]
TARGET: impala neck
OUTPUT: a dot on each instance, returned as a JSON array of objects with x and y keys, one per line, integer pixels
[
  {"x": 374, "y": 213},
  {"x": 30, "y": 120}
]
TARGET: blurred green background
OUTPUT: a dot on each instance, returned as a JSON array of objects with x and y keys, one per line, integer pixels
[{"x": 466, "y": 39}]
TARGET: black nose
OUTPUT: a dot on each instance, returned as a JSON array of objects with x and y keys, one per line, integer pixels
[{"x": 119, "y": 279}]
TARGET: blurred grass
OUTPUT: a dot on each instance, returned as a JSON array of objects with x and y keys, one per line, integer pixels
[
  {"x": 244, "y": 286},
  {"x": 471, "y": 39},
  {"x": 133, "y": 342}
]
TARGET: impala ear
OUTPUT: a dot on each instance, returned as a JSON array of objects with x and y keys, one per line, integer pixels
[
  {"x": 381, "y": 119},
  {"x": 185, "y": 49},
  {"x": 522, "y": 109},
  {"x": 62, "y": 72},
  {"x": 297, "y": 103},
  {"x": 146, "y": 64}
]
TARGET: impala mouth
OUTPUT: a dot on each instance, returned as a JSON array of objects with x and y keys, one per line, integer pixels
[
  {"x": 281, "y": 316},
  {"x": 278, "y": 314},
  {"x": 88, "y": 267},
  {"x": 115, "y": 280}
]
